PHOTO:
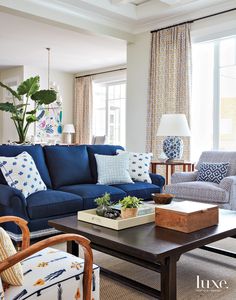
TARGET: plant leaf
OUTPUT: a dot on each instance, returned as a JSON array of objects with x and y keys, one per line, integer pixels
[
  {"x": 31, "y": 119},
  {"x": 44, "y": 97},
  {"x": 32, "y": 112},
  {"x": 8, "y": 107},
  {"x": 14, "y": 93},
  {"x": 29, "y": 86}
]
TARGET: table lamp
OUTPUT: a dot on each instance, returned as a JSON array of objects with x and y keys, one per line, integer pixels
[
  {"x": 173, "y": 126},
  {"x": 68, "y": 129}
]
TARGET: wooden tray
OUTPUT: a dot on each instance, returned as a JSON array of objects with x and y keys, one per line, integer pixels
[{"x": 118, "y": 224}]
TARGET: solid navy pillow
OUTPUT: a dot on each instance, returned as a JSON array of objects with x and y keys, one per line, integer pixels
[
  {"x": 100, "y": 149},
  {"x": 68, "y": 165},
  {"x": 37, "y": 154}
]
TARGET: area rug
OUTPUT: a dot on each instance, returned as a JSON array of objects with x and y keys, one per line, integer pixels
[{"x": 208, "y": 266}]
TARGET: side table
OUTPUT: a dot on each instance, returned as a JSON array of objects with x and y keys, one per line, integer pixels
[{"x": 187, "y": 166}]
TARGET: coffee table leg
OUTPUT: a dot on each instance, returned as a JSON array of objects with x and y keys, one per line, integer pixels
[
  {"x": 73, "y": 248},
  {"x": 168, "y": 278}
]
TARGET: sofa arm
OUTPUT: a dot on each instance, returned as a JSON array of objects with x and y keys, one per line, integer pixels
[
  {"x": 157, "y": 180},
  {"x": 12, "y": 202},
  {"x": 183, "y": 177}
]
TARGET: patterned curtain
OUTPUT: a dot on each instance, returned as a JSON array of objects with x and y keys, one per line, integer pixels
[
  {"x": 83, "y": 110},
  {"x": 170, "y": 82}
]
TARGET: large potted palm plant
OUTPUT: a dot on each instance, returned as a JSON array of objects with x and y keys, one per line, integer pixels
[{"x": 21, "y": 115}]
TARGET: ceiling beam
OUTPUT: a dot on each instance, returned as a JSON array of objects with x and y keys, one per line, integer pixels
[{"x": 49, "y": 13}]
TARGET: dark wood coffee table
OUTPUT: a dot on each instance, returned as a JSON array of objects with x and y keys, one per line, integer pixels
[{"x": 149, "y": 246}]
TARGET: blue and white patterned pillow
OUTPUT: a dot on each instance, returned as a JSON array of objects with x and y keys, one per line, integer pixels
[
  {"x": 22, "y": 174},
  {"x": 139, "y": 165},
  {"x": 113, "y": 169},
  {"x": 212, "y": 172}
]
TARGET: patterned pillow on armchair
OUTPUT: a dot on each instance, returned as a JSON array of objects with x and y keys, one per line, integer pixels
[{"x": 212, "y": 172}]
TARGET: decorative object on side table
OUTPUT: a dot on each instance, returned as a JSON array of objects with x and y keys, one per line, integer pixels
[
  {"x": 129, "y": 207},
  {"x": 173, "y": 126},
  {"x": 68, "y": 129},
  {"x": 162, "y": 198},
  {"x": 22, "y": 117}
]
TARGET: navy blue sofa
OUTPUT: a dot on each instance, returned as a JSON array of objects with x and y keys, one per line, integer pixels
[{"x": 70, "y": 174}]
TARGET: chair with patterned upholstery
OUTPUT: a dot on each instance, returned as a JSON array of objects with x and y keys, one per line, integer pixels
[
  {"x": 188, "y": 185},
  {"x": 46, "y": 273}
]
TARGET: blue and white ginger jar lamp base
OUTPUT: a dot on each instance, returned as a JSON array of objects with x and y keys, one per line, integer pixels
[{"x": 173, "y": 147}]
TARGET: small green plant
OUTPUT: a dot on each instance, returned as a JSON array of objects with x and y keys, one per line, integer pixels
[
  {"x": 104, "y": 200},
  {"x": 130, "y": 202}
]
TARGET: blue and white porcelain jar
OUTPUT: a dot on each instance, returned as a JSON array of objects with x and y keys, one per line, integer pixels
[{"x": 173, "y": 147}]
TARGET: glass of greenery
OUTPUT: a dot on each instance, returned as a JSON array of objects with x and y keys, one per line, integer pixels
[{"x": 103, "y": 204}]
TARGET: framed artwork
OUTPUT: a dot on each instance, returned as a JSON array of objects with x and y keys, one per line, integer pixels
[{"x": 49, "y": 125}]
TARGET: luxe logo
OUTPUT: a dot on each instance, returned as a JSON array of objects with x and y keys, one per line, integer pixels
[{"x": 211, "y": 284}]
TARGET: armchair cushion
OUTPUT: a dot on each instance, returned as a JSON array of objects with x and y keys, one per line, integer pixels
[
  {"x": 53, "y": 274},
  {"x": 219, "y": 157},
  {"x": 14, "y": 274},
  {"x": 198, "y": 190}
]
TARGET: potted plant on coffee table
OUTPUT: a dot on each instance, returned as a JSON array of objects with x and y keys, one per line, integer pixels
[
  {"x": 129, "y": 206},
  {"x": 103, "y": 204}
]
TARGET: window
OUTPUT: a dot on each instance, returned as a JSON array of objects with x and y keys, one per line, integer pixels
[
  {"x": 213, "y": 121},
  {"x": 109, "y": 101}
]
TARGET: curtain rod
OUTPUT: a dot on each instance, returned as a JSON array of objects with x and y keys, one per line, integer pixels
[
  {"x": 197, "y": 19},
  {"x": 104, "y": 72}
]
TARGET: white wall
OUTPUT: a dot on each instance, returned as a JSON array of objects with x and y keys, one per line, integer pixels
[
  {"x": 64, "y": 80},
  {"x": 7, "y": 128},
  {"x": 138, "y": 57}
]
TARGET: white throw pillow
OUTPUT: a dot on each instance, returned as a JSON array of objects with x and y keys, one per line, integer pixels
[
  {"x": 139, "y": 164},
  {"x": 113, "y": 169},
  {"x": 22, "y": 174}
]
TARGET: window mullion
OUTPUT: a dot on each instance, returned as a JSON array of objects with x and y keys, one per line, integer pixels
[{"x": 216, "y": 97}]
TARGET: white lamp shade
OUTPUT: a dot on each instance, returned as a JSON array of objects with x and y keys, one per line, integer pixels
[
  {"x": 173, "y": 125},
  {"x": 68, "y": 128}
]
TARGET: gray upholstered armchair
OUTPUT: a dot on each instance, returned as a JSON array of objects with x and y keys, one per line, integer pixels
[{"x": 185, "y": 186}]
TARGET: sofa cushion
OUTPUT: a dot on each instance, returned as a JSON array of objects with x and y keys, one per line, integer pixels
[
  {"x": 52, "y": 203},
  {"x": 91, "y": 191},
  {"x": 199, "y": 191},
  {"x": 139, "y": 189},
  {"x": 103, "y": 150},
  {"x": 37, "y": 154},
  {"x": 68, "y": 165}
]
